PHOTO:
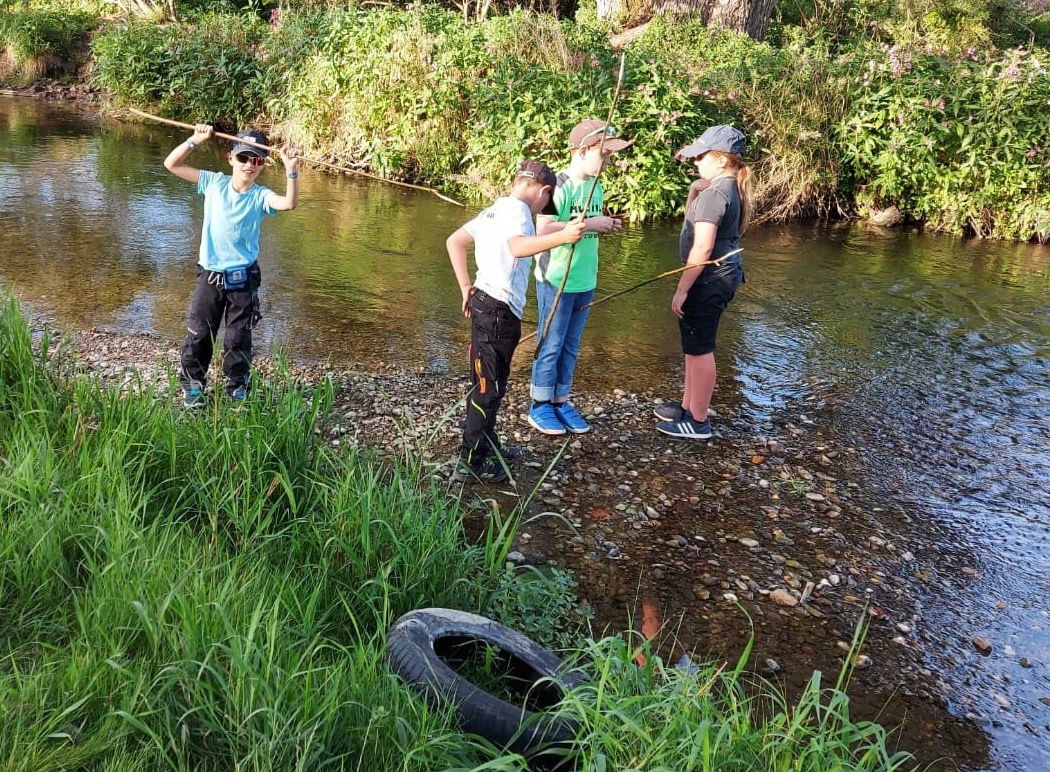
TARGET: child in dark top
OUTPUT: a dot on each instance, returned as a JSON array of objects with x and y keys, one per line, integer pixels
[
  {"x": 504, "y": 237},
  {"x": 715, "y": 217},
  {"x": 228, "y": 275}
]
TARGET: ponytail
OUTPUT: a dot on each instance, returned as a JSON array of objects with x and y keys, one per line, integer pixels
[
  {"x": 743, "y": 186},
  {"x": 742, "y": 172}
]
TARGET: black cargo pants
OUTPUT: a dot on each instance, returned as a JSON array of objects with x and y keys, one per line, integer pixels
[
  {"x": 213, "y": 304},
  {"x": 494, "y": 334}
]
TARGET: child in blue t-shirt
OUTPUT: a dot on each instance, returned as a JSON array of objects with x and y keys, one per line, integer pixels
[{"x": 228, "y": 275}]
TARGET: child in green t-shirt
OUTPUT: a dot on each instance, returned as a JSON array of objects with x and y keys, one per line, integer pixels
[{"x": 552, "y": 370}]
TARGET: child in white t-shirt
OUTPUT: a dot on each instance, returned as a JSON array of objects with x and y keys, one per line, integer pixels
[{"x": 502, "y": 235}]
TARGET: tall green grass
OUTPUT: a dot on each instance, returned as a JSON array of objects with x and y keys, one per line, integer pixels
[{"x": 211, "y": 591}]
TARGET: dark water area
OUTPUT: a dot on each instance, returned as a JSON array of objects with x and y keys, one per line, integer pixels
[{"x": 935, "y": 351}]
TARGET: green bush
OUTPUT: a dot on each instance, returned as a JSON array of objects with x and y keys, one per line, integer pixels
[
  {"x": 426, "y": 96},
  {"x": 541, "y": 603},
  {"x": 205, "y": 71},
  {"x": 959, "y": 144},
  {"x": 39, "y": 43}
]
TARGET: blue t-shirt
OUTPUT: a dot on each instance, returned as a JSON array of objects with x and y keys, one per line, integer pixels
[{"x": 232, "y": 221}]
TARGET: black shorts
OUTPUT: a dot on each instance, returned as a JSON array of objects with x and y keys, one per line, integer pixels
[{"x": 703, "y": 307}]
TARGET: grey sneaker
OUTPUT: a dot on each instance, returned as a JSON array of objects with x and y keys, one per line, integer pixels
[
  {"x": 670, "y": 411},
  {"x": 687, "y": 428}
]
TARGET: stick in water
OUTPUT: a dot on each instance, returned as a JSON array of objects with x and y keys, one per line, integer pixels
[
  {"x": 650, "y": 280},
  {"x": 315, "y": 161}
]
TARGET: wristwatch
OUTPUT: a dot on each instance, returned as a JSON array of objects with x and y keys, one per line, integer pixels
[
  {"x": 293, "y": 176},
  {"x": 192, "y": 145}
]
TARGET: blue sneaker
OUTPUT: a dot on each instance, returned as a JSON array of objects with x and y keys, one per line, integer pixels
[
  {"x": 238, "y": 394},
  {"x": 542, "y": 418},
  {"x": 193, "y": 396},
  {"x": 687, "y": 428},
  {"x": 572, "y": 420}
]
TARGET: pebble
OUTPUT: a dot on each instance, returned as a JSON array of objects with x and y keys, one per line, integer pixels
[
  {"x": 782, "y": 597},
  {"x": 904, "y": 627},
  {"x": 772, "y": 666},
  {"x": 862, "y": 661},
  {"x": 982, "y": 645},
  {"x": 748, "y": 542},
  {"x": 731, "y": 597},
  {"x": 517, "y": 558}
]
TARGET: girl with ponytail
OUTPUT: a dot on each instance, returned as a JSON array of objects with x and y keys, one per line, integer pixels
[{"x": 716, "y": 215}]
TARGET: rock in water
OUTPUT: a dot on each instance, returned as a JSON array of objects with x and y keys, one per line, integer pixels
[{"x": 982, "y": 645}]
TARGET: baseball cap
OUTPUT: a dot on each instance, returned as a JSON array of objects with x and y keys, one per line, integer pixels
[
  {"x": 244, "y": 147},
  {"x": 589, "y": 132},
  {"x": 541, "y": 173},
  {"x": 725, "y": 139}
]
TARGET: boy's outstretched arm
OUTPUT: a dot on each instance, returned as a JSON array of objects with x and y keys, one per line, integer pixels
[
  {"x": 176, "y": 160},
  {"x": 527, "y": 246},
  {"x": 290, "y": 199},
  {"x": 602, "y": 224},
  {"x": 457, "y": 245}
]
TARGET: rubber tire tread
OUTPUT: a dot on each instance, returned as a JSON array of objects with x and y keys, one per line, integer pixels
[{"x": 410, "y": 652}]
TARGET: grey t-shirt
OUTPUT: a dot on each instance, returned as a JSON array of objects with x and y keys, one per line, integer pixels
[{"x": 718, "y": 204}]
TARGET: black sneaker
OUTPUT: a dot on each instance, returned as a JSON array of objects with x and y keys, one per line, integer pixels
[
  {"x": 509, "y": 452},
  {"x": 687, "y": 428},
  {"x": 490, "y": 470}
]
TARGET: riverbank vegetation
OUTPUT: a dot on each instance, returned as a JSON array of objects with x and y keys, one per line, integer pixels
[
  {"x": 211, "y": 590},
  {"x": 931, "y": 108}
]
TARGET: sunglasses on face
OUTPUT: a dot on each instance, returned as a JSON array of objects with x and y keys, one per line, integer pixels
[{"x": 250, "y": 158}]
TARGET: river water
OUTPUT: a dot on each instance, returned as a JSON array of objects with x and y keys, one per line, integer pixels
[{"x": 934, "y": 350}]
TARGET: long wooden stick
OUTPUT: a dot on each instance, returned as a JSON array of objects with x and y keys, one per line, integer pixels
[
  {"x": 315, "y": 161},
  {"x": 587, "y": 203},
  {"x": 650, "y": 280}
]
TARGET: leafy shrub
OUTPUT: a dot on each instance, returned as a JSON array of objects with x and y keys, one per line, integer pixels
[
  {"x": 427, "y": 96},
  {"x": 959, "y": 144},
  {"x": 207, "y": 71},
  {"x": 36, "y": 43},
  {"x": 541, "y": 604}
]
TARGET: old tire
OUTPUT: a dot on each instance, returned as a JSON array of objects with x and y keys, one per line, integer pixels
[{"x": 413, "y": 649}]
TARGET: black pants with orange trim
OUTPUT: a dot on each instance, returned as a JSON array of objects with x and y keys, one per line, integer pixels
[{"x": 494, "y": 334}]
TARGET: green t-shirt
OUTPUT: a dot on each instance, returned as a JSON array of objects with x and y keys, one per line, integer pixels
[{"x": 569, "y": 198}]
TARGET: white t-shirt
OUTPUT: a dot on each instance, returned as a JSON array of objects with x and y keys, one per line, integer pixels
[{"x": 500, "y": 274}]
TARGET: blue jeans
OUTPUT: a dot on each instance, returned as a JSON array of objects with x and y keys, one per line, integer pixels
[{"x": 556, "y": 357}]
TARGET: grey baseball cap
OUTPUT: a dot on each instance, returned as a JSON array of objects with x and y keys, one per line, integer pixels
[
  {"x": 725, "y": 139},
  {"x": 244, "y": 147}
]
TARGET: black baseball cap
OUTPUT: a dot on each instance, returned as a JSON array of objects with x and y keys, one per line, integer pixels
[
  {"x": 243, "y": 147},
  {"x": 541, "y": 173},
  {"x": 725, "y": 139}
]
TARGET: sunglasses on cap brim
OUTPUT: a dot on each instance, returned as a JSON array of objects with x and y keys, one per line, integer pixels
[
  {"x": 608, "y": 131},
  {"x": 250, "y": 158}
]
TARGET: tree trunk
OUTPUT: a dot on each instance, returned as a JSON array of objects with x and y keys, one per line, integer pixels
[{"x": 750, "y": 16}]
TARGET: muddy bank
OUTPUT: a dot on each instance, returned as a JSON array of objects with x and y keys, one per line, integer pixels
[
  {"x": 51, "y": 90},
  {"x": 778, "y": 532}
]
